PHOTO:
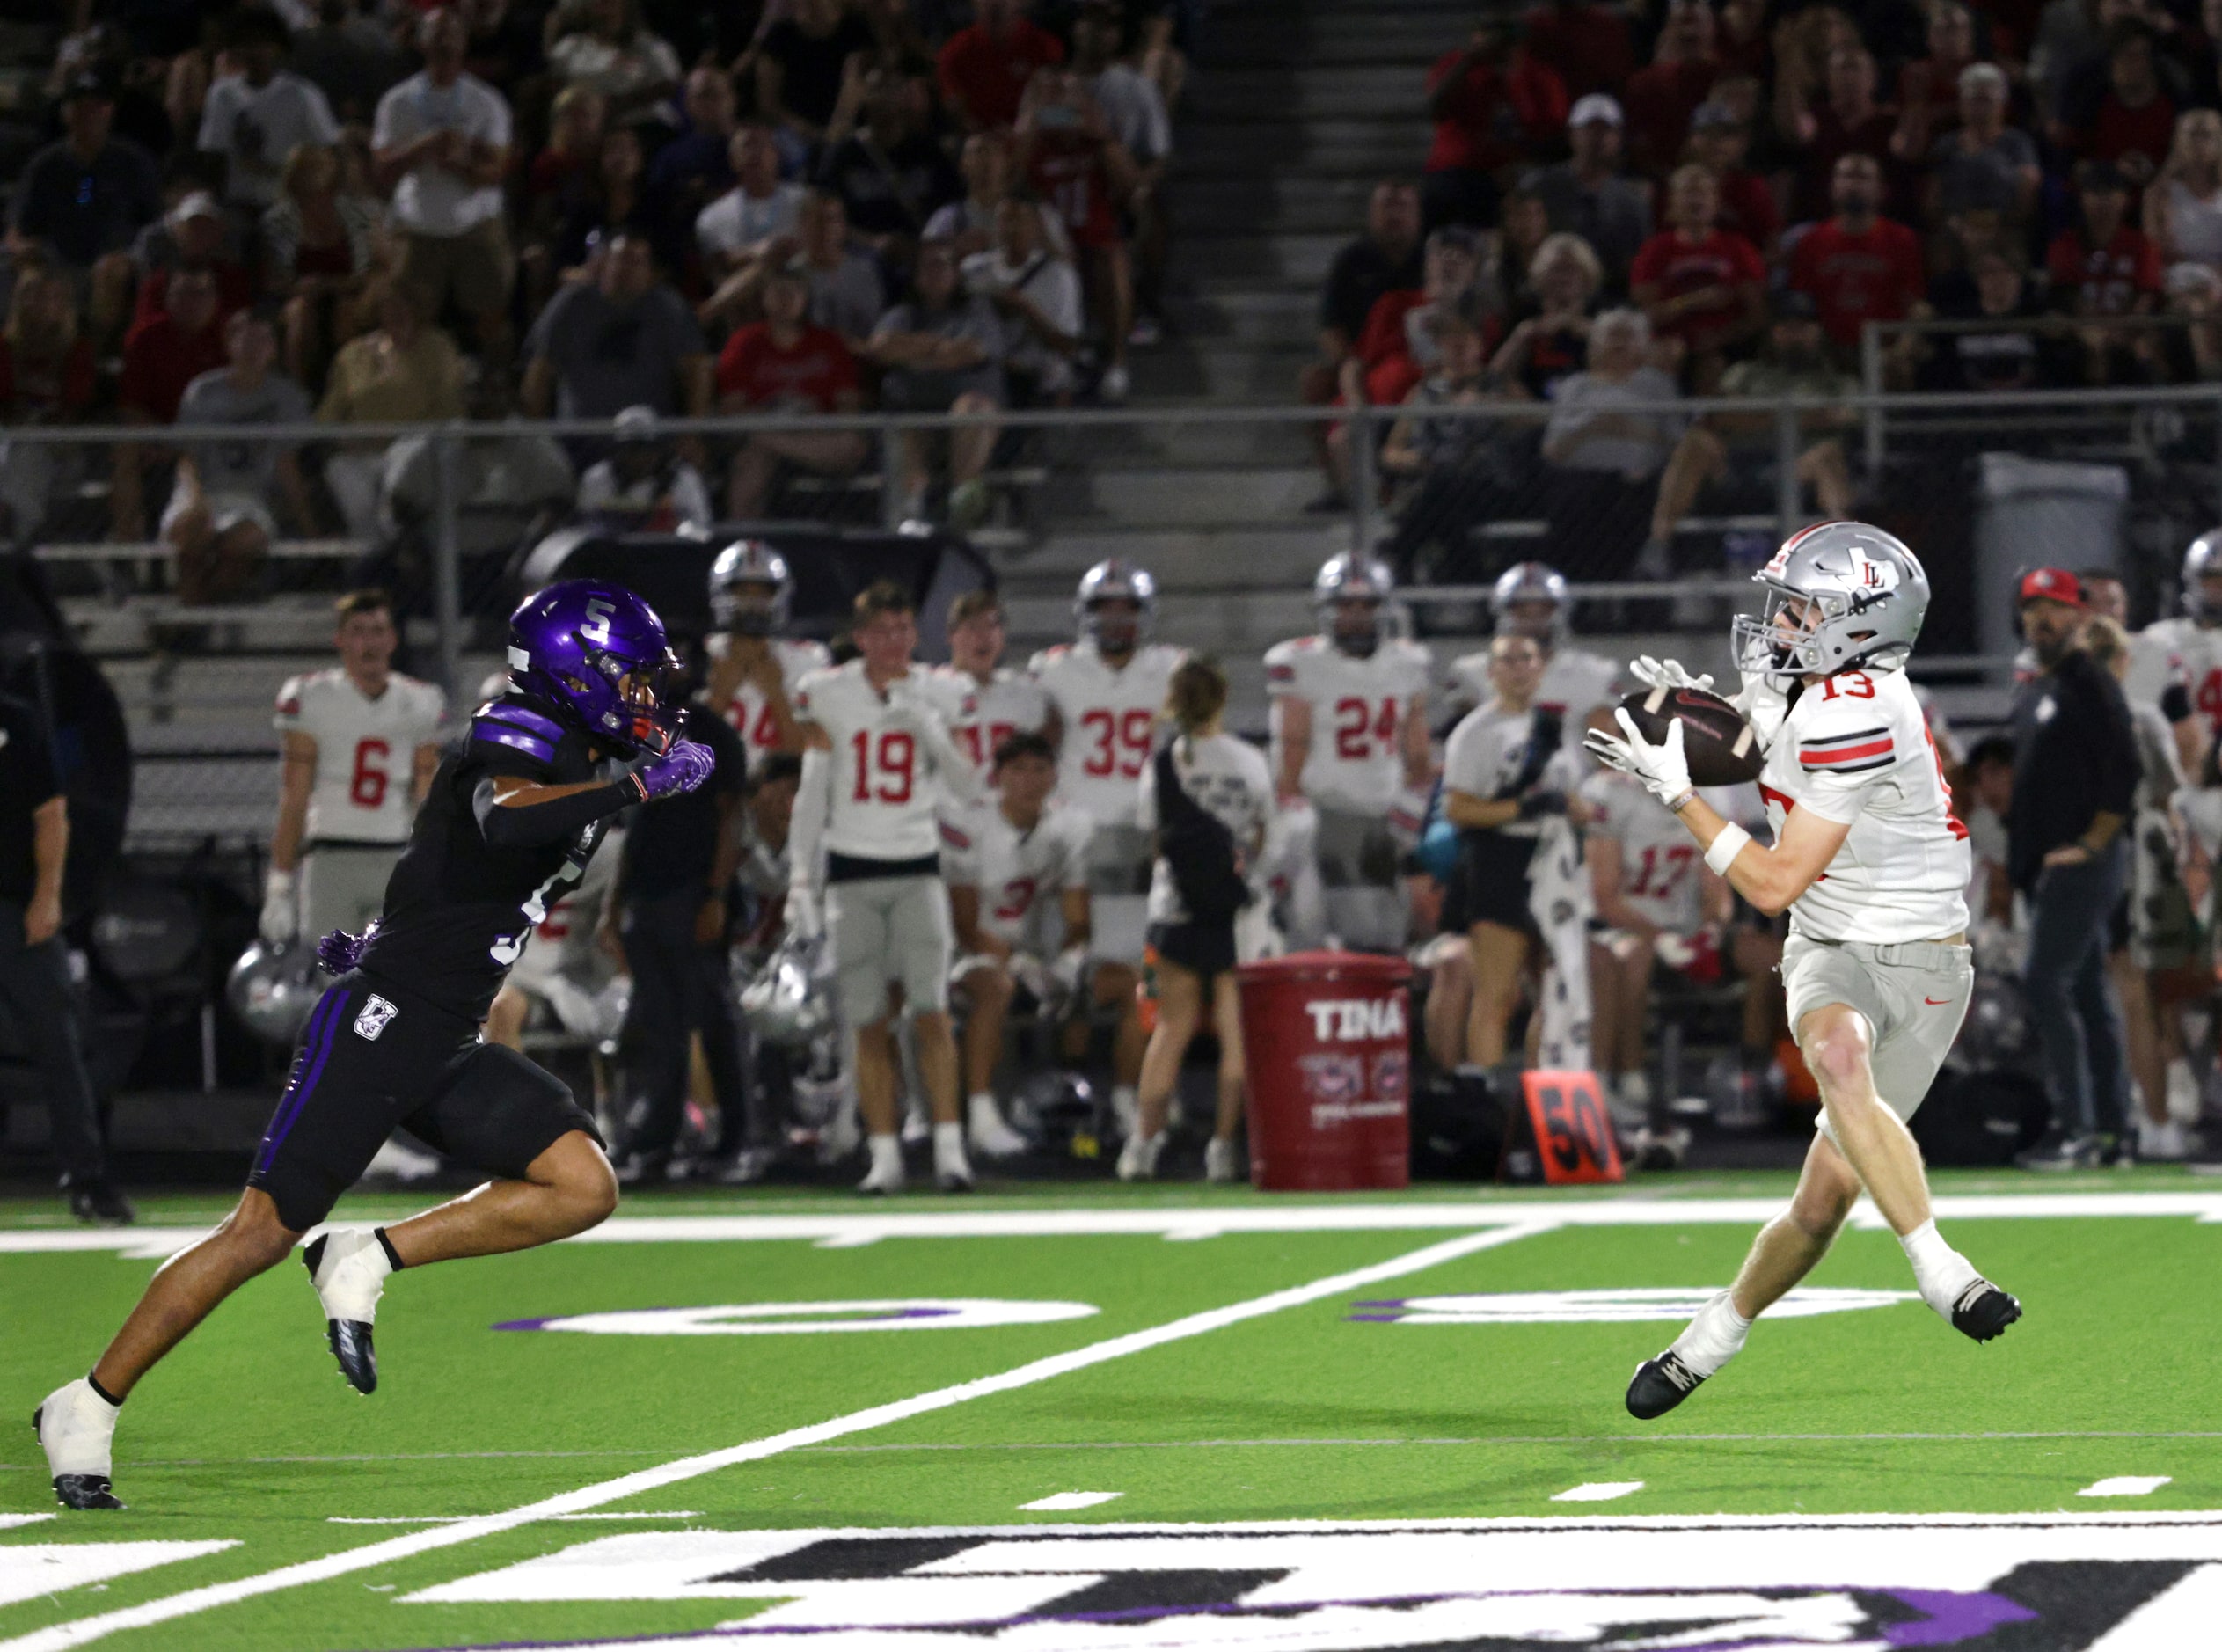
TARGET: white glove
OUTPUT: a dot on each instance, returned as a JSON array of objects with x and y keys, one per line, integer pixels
[
  {"x": 280, "y": 922},
  {"x": 804, "y": 918},
  {"x": 1070, "y": 970},
  {"x": 1663, "y": 769},
  {"x": 1408, "y": 815},
  {"x": 1666, "y": 674},
  {"x": 1031, "y": 973}
]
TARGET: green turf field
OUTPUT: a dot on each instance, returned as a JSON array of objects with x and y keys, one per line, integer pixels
[{"x": 1258, "y": 1421}]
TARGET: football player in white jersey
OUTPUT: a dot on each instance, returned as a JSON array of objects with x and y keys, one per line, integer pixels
[
  {"x": 1872, "y": 866},
  {"x": 753, "y": 669},
  {"x": 1529, "y": 598},
  {"x": 983, "y": 701},
  {"x": 1015, "y": 860},
  {"x": 362, "y": 741},
  {"x": 1350, "y": 740},
  {"x": 866, "y": 870},
  {"x": 2176, "y": 664},
  {"x": 1106, "y": 690}
]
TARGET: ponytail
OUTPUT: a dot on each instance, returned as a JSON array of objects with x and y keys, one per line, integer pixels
[{"x": 1196, "y": 694}]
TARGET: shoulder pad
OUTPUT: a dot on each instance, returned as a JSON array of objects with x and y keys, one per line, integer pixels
[
  {"x": 289, "y": 696},
  {"x": 519, "y": 727}
]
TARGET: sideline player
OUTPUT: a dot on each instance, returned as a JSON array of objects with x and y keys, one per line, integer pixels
[
  {"x": 2176, "y": 664},
  {"x": 1106, "y": 689},
  {"x": 362, "y": 741},
  {"x": 1007, "y": 854},
  {"x": 983, "y": 701},
  {"x": 1351, "y": 738},
  {"x": 513, "y": 816},
  {"x": 753, "y": 669},
  {"x": 1871, "y": 864},
  {"x": 872, "y": 753},
  {"x": 1530, "y": 600}
]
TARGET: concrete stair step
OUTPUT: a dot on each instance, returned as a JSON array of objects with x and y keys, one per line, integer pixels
[
  {"x": 1257, "y": 315},
  {"x": 1243, "y": 255},
  {"x": 1182, "y": 557},
  {"x": 1157, "y": 497},
  {"x": 1322, "y": 88},
  {"x": 1376, "y": 36},
  {"x": 1281, "y": 202},
  {"x": 1181, "y": 444},
  {"x": 1218, "y": 372},
  {"x": 1391, "y": 142}
]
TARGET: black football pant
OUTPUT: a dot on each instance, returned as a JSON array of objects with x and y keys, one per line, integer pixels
[
  {"x": 34, "y": 985},
  {"x": 679, "y": 988}
]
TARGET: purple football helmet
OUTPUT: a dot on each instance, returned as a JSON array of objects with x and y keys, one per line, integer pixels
[{"x": 597, "y": 653}]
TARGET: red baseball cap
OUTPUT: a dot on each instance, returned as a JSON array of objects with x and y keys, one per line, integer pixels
[{"x": 2056, "y": 585}]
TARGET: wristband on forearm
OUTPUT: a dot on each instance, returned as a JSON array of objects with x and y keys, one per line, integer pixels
[{"x": 1726, "y": 848}]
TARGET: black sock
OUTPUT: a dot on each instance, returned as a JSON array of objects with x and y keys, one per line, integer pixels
[
  {"x": 93, "y": 1383},
  {"x": 393, "y": 1257}
]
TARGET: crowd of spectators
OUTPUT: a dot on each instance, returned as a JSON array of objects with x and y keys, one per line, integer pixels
[
  {"x": 1677, "y": 196},
  {"x": 573, "y": 208}
]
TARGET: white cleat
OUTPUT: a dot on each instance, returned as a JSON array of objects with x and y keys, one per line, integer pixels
[
  {"x": 77, "y": 1428},
  {"x": 1138, "y": 1158},
  {"x": 951, "y": 1170},
  {"x": 1220, "y": 1163},
  {"x": 2163, "y": 1142},
  {"x": 2183, "y": 1092},
  {"x": 989, "y": 1136},
  {"x": 348, "y": 1268},
  {"x": 883, "y": 1179}
]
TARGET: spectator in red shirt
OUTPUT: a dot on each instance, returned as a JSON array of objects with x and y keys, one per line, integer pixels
[
  {"x": 1846, "y": 122},
  {"x": 1698, "y": 283},
  {"x": 193, "y": 236},
  {"x": 1860, "y": 265},
  {"x": 1067, "y": 150},
  {"x": 1586, "y": 44},
  {"x": 1493, "y": 105},
  {"x": 2104, "y": 267},
  {"x": 161, "y": 356},
  {"x": 785, "y": 364},
  {"x": 1660, "y": 98},
  {"x": 46, "y": 378},
  {"x": 1394, "y": 351},
  {"x": 983, "y": 70},
  {"x": 2128, "y": 118},
  {"x": 1719, "y": 141}
]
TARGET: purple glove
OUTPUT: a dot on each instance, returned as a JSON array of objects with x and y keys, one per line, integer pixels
[
  {"x": 681, "y": 769},
  {"x": 341, "y": 950}
]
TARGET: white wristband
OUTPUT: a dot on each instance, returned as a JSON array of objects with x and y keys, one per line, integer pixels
[{"x": 1726, "y": 848}]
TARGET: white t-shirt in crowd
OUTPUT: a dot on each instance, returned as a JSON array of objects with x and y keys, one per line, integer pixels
[
  {"x": 431, "y": 200},
  {"x": 737, "y": 219},
  {"x": 661, "y": 505},
  {"x": 1133, "y": 109},
  {"x": 256, "y": 128},
  {"x": 1053, "y": 286}
]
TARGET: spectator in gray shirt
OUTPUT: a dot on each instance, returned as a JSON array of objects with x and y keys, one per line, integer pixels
[
  {"x": 943, "y": 351},
  {"x": 1589, "y": 196},
  {"x": 1601, "y": 457},
  {"x": 621, "y": 340},
  {"x": 220, "y": 517},
  {"x": 845, "y": 290}
]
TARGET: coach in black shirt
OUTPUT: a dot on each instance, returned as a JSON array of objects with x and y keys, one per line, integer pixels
[
  {"x": 2075, "y": 775},
  {"x": 34, "y": 978},
  {"x": 679, "y": 863}
]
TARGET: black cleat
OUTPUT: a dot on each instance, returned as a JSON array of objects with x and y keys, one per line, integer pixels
[
  {"x": 100, "y": 1201},
  {"x": 1983, "y": 1311},
  {"x": 350, "y": 1339},
  {"x": 1659, "y": 1386},
  {"x": 80, "y": 1491}
]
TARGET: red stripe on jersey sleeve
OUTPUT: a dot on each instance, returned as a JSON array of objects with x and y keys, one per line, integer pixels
[{"x": 1845, "y": 757}]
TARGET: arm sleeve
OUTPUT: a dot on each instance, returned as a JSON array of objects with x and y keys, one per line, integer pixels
[
  {"x": 519, "y": 826},
  {"x": 807, "y": 830}
]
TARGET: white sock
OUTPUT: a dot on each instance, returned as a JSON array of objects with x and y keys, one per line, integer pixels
[
  {"x": 1941, "y": 1274},
  {"x": 1126, "y": 1101},
  {"x": 1713, "y": 1338},
  {"x": 948, "y": 1143},
  {"x": 983, "y": 1101},
  {"x": 886, "y": 1155}
]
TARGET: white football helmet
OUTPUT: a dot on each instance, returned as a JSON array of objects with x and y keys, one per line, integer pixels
[
  {"x": 750, "y": 562},
  {"x": 1868, "y": 597},
  {"x": 1115, "y": 580},
  {"x": 2201, "y": 560},
  {"x": 1530, "y": 583},
  {"x": 787, "y": 1003},
  {"x": 1349, "y": 577},
  {"x": 273, "y": 989}
]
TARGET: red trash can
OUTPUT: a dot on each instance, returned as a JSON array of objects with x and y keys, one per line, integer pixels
[{"x": 1326, "y": 1040}]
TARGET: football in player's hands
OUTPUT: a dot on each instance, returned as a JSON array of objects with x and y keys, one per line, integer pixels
[{"x": 1720, "y": 747}]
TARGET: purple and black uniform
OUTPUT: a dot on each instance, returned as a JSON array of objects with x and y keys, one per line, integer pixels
[{"x": 395, "y": 1042}]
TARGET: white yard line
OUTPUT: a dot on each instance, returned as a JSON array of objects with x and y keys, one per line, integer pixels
[
  {"x": 453, "y": 1520},
  {"x": 1058, "y": 1503},
  {"x": 1511, "y": 1439},
  {"x": 843, "y": 1229},
  {"x": 2125, "y": 1486},
  {"x": 59, "y": 1637},
  {"x": 1599, "y": 1491}
]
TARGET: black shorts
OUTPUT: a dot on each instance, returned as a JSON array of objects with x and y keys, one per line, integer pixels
[
  {"x": 375, "y": 1057},
  {"x": 1490, "y": 884},
  {"x": 1202, "y": 949}
]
